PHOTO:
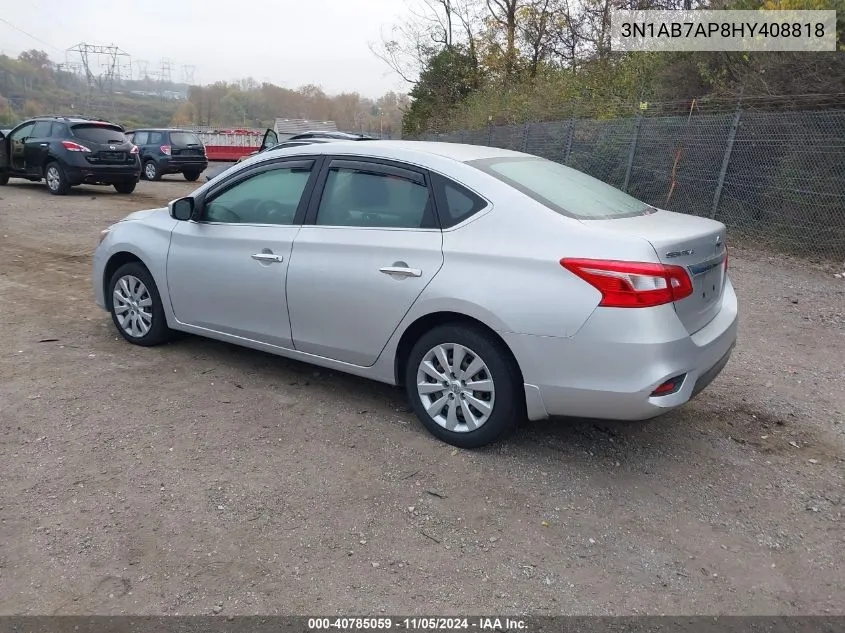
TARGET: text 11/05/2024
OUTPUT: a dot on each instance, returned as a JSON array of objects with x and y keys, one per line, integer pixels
[{"x": 422, "y": 623}]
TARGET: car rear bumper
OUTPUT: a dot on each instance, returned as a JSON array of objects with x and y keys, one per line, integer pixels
[
  {"x": 102, "y": 174},
  {"x": 176, "y": 165},
  {"x": 610, "y": 368}
]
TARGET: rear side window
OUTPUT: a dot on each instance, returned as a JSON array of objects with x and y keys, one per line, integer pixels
[
  {"x": 374, "y": 198},
  {"x": 99, "y": 133},
  {"x": 41, "y": 129},
  {"x": 156, "y": 138},
  {"x": 184, "y": 138},
  {"x": 455, "y": 203}
]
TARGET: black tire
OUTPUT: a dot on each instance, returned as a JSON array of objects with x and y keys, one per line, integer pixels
[
  {"x": 4, "y": 180},
  {"x": 151, "y": 171},
  {"x": 125, "y": 187},
  {"x": 158, "y": 332},
  {"x": 508, "y": 406},
  {"x": 54, "y": 176},
  {"x": 191, "y": 176}
]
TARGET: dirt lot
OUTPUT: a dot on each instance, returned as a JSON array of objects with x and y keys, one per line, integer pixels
[{"x": 174, "y": 479}]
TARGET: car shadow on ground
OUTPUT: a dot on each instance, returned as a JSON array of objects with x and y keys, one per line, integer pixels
[{"x": 601, "y": 441}]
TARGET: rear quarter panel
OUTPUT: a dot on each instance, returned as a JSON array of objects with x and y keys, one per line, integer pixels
[{"x": 503, "y": 265}]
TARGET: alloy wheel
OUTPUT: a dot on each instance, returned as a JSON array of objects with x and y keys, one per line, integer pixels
[
  {"x": 133, "y": 306},
  {"x": 456, "y": 387}
]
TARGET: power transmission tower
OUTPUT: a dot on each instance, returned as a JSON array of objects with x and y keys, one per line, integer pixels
[
  {"x": 102, "y": 67},
  {"x": 188, "y": 73},
  {"x": 142, "y": 65}
]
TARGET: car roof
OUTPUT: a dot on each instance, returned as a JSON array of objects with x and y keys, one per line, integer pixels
[
  {"x": 407, "y": 150},
  {"x": 160, "y": 129},
  {"x": 72, "y": 119}
]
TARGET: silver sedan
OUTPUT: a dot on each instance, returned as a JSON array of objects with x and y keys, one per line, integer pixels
[{"x": 493, "y": 285}]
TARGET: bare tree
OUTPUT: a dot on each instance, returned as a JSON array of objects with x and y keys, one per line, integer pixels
[
  {"x": 536, "y": 28},
  {"x": 504, "y": 14}
]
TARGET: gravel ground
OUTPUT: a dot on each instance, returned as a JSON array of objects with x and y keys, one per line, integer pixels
[{"x": 200, "y": 477}]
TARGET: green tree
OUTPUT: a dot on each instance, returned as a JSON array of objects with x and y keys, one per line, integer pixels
[{"x": 449, "y": 77}]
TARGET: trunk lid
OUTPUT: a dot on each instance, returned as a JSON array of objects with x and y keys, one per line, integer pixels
[
  {"x": 697, "y": 244},
  {"x": 108, "y": 143}
]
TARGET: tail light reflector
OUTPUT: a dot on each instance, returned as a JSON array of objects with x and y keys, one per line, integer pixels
[
  {"x": 670, "y": 386},
  {"x": 74, "y": 147},
  {"x": 632, "y": 284},
  {"x": 134, "y": 150},
  {"x": 165, "y": 149}
]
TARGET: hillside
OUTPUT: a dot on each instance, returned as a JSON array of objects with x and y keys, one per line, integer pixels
[{"x": 32, "y": 84}]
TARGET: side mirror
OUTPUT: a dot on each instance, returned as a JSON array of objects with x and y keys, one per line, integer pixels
[{"x": 181, "y": 209}]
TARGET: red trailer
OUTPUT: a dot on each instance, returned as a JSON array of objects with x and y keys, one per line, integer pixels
[{"x": 230, "y": 145}]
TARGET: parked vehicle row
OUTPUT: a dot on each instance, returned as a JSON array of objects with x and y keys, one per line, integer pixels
[
  {"x": 270, "y": 142},
  {"x": 168, "y": 151},
  {"x": 494, "y": 285},
  {"x": 66, "y": 151}
]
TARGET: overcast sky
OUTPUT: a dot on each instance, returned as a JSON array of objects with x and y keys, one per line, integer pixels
[{"x": 287, "y": 42}]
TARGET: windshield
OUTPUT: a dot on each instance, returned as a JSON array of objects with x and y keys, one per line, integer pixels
[
  {"x": 99, "y": 133},
  {"x": 184, "y": 138},
  {"x": 563, "y": 189}
]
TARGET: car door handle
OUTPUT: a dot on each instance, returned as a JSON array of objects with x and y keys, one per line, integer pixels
[
  {"x": 401, "y": 271},
  {"x": 268, "y": 258}
]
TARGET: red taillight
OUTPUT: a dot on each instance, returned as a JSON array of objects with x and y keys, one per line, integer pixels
[
  {"x": 165, "y": 149},
  {"x": 632, "y": 284},
  {"x": 74, "y": 147},
  {"x": 134, "y": 150}
]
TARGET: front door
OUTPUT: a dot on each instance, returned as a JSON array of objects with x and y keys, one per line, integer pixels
[
  {"x": 370, "y": 250},
  {"x": 271, "y": 139},
  {"x": 226, "y": 271},
  {"x": 17, "y": 147}
]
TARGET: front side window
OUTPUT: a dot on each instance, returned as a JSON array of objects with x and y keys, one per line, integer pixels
[
  {"x": 23, "y": 132},
  {"x": 563, "y": 189},
  {"x": 270, "y": 197},
  {"x": 140, "y": 138},
  {"x": 359, "y": 197}
]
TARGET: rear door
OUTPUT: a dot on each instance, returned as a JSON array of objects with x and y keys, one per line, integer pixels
[
  {"x": 186, "y": 147},
  {"x": 370, "y": 246},
  {"x": 270, "y": 139},
  {"x": 108, "y": 143}
]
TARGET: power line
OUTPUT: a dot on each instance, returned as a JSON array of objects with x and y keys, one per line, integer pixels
[{"x": 37, "y": 39}]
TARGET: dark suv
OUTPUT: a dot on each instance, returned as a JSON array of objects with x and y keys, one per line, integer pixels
[
  {"x": 68, "y": 151},
  {"x": 165, "y": 151}
]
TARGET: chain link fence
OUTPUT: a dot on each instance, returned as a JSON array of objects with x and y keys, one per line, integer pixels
[{"x": 774, "y": 178}]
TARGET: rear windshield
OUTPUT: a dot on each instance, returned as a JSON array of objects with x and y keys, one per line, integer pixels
[
  {"x": 99, "y": 133},
  {"x": 563, "y": 189},
  {"x": 184, "y": 138}
]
